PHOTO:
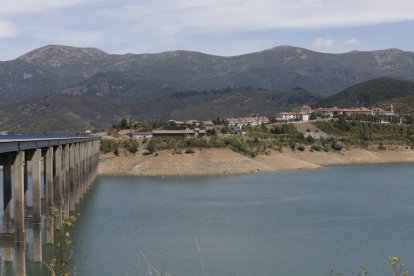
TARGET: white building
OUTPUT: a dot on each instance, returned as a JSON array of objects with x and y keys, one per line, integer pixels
[
  {"x": 248, "y": 121},
  {"x": 142, "y": 134},
  {"x": 304, "y": 117},
  {"x": 287, "y": 116}
]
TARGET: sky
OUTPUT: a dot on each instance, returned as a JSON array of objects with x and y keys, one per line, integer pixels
[{"x": 219, "y": 27}]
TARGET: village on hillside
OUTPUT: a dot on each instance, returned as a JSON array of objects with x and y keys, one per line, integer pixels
[{"x": 195, "y": 128}]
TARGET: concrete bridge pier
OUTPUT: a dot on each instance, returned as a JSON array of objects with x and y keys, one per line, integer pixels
[
  {"x": 85, "y": 168},
  {"x": 37, "y": 204},
  {"x": 57, "y": 179},
  {"x": 96, "y": 145},
  {"x": 81, "y": 172},
  {"x": 19, "y": 211},
  {"x": 88, "y": 164},
  {"x": 7, "y": 203},
  {"x": 48, "y": 167},
  {"x": 66, "y": 182},
  {"x": 72, "y": 176},
  {"x": 78, "y": 174}
]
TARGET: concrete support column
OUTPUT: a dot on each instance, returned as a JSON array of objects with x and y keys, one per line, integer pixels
[
  {"x": 90, "y": 178},
  {"x": 19, "y": 231},
  {"x": 26, "y": 184},
  {"x": 26, "y": 188},
  {"x": 7, "y": 208},
  {"x": 49, "y": 194},
  {"x": 85, "y": 167},
  {"x": 96, "y": 158},
  {"x": 82, "y": 169},
  {"x": 18, "y": 188},
  {"x": 58, "y": 199},
  {"x": 66, "y": 191},
  {"x": 37, "y": 205},
  {"x": 20, "y": 258},
  {"x": 77, "y": 175},
  {"x": 72, "y": 178}
]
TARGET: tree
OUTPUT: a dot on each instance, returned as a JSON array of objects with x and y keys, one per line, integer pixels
[
  {"x": 124, "y": 123},
  {"x": 342, "y": 124},
  {"x": 133, "y": 146}
]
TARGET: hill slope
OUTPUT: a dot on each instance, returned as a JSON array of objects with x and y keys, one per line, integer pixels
[
  {"x": 373, "y": 92},
  {"x": 73, "y": 113}
]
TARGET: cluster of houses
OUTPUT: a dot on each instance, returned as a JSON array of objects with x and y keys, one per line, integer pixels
[
  {"x": 194, "y": 128},
  {"x": 248, "y": 121},
  {"x": 304, "y": 113},
  {"x": 179, "y": 129}
]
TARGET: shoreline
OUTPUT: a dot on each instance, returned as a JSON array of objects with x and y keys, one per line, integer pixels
[{"x": 217, "y": 162}]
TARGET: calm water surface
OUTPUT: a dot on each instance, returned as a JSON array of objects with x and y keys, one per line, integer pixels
[{"x": 292, "y": 223}]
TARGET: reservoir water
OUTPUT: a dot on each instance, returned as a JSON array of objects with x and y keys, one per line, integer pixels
[{"x": 290, "y": 223}]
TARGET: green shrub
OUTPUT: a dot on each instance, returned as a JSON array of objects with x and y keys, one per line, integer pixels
[
  {"x": 300, "y": 147},
  {"x": 132, "y": 146},
  {"x": 187, "y": 151},
  {"x": 152, "y": 146},
  {"x": 317, "y": 147},
  {"x": 109, "y": 145},
  {"x": 342, "y": 124},
  {"x": 236, "y": 145},
  {"x": 310, "y": 139},
  {"x": 338, "y": 146}
]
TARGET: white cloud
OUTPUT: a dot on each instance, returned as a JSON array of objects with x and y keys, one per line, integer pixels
[
  {"x": 7, "y": 29},
  {"x": 234, "y": 15},
  {"x": 323, "y": 43},
  {"x": 352, "y": 41},
  {"x": 157, "y": 25},
  {"x": 11, "y": 8},
  {"x": 169, "y": 17}
]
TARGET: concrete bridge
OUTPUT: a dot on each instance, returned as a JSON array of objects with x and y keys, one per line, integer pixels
[{"x": 63, "y": 168}]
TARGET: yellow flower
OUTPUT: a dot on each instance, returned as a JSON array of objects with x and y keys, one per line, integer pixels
[{"x": 394, "y": 259}]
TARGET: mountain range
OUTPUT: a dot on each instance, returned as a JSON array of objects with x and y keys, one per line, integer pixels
[{"x": 88, "y": 88}]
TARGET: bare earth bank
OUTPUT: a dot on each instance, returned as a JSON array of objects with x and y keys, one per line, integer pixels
[{"x": 224, "y": 161}]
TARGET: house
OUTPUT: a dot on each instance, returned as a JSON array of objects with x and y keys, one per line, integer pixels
[
  {"x": 384, "y": 113},
  {"x": 186, "y": 133},
  {"x": 304, "y": 117},
  {"x": 173, "y": 133},
  {"x": 327, "y": 112},
  {"x": 305, "y": 109},
  {"x": 176, "y": 123},
  {"x": 287, "y": 116},
  {"x": 200, "y": 132},
  {"x": 293, "y": 116},
  {"x": 248, "y": 121},
  {"x": 192, "y": 123},
  {"x": 142, "y": 134},
  {"x": 357, "y": 111},
  {"x": 207, "y": 124}
]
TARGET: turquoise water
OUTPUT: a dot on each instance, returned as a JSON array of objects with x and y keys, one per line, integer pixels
[{"x": 291, "y": 223}]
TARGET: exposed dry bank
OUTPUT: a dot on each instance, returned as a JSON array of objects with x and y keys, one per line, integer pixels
[{"x": 225, "y": 161}]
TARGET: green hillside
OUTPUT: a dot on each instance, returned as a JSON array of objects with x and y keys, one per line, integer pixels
[
  {"x": 66, "y": 113},
  {"x": 371, "y": 93}
]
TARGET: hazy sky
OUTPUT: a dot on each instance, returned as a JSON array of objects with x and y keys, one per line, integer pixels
[{"x": 222, "y": 27}]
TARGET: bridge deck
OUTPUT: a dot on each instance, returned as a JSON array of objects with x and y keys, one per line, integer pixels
[{"x": 12, "y": 143}]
